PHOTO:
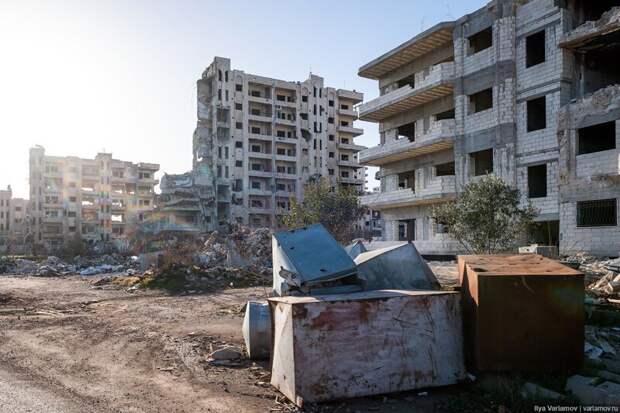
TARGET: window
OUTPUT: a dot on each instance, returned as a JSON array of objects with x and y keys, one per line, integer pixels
[
  {"x": 344, "y": 174},
  {"x": 480, "y": 101},
  {"x": 239, "y": 164},
  {"x": 331, "y": 172},
  {"x": 344, "y": 107},
  {"x": 257, "y": 167},
  {"x": 219, "y": 94},
  {"x": 239, "y": 125},
  {"x": 256, "y": 130},
  {"x": 281, "y": 98},
  {"x": 281, "y": 151},
  {"x": 255, "y": 93},
  {"x": 535, "y": 49},
  {"x": 444, "y": 169},
  {"x": 407, "y": 131},
  {"x": 406, "y": 180},
  {"x": 330, "y": 103},
  {"x": 331, "y": 137},
  {"x": 344, "y": 140},
  {"x": 255, "y": 148},
  {"x": 238, "y": 87},
  {"x": 599, "y": 213},
  {"x": 304, "y": 98},
  {"x": 238, "y": 144},
  {"x": 255, "y": 185},
  {"x": 482, "y": 162},
  {"x": 281, "y": 134},
  {"x": 537, "y": 181},
  {"x": 344, "y": 157},
  {"x": 480, "y": 41},
  {"x": 536, "y": 114},
  {"x": 304, "y": 116},
  {"x": 255, "y": 111},
  {"x": 330, "y": 120},
  {"x": 331, "y": 154},
  {"x": 72, "y": 199},
  {"x": 238, "y": 106},
  {"x": 601, "y": 137},
  {"x": 448, "y": 114}
]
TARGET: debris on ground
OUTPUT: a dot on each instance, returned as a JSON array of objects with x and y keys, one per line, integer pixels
[{"x": 602, "y": 275}]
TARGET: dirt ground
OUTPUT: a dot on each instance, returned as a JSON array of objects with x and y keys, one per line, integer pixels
[{"x": 73, "y": 347}]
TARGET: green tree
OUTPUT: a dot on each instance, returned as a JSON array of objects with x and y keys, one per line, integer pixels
[
  {"x": 486, "y": 217},
  {"x": 338, "y": 211}
]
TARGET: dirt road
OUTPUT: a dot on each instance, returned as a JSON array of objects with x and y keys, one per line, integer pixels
[{"x": 67, "y": 346}]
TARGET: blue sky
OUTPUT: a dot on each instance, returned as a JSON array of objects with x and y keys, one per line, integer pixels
[{"x": 79, "y": 77}]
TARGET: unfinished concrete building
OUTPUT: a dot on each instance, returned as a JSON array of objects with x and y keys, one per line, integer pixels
[
  {"x": 259, "y": 140},
  {"x": 5, "y": 215},
  {"x": 99, "y": 200},
  {"x": 506, "y": 89}
]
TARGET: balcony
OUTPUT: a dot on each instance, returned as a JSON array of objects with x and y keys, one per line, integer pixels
[
  {"x": 351, "y": 146},
  {"x": 439, "y": 137},
  {"x": 598, "y": 163},
  {"x": 351, "y": 181},
  {"x": 434, "y": 85},
  {"x": 350, "y": 129},
  {"x": 592, "y": 34},
  {"x": 439, "y": 189},
  {"x": 350, "y": 94},
  {"x": 349, "y": 163},
  {"x": 260, "y": 118},
  {"x": 260, "y": 174},
  {"x": 260, "y": 99},
  {"x": 347, "y": 112},
  {"x": 285, "y": 122},
  {"x": 259, "y": 192},
  {"x": 260, "y": 155}
]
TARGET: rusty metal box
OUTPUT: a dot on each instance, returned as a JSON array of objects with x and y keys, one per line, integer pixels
[
  {"x": 349, "y": 345},
  {"x": 521, "y": 313}
]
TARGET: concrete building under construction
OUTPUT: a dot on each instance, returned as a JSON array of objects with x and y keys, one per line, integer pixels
[
  {"x": 527, "y": 90},
  {"x": 98, "y": 200},
  {"x": 258, "y": 141}
]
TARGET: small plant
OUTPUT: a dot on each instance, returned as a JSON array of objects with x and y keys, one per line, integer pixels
[{"x": 486, "y": 218}]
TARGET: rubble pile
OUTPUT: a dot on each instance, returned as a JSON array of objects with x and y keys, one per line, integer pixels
[
  {"x": 54, "y": 266},
  {"x": 602, "y": 276},
  {"x": 242, "y": 247}
]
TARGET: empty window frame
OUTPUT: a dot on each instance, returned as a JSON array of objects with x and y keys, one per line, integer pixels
[
  {"x": 480, "y": 41},
  {"x": 480, "y": 101},
  {"x": 536, "y": 114},
  {"x": 535, "y": 49},
  {"x": 596, "y": 138},
  {"x": 482, "y": 162},
  {"x": 444, "y": 169},
  {"x": 406, "y": 180},
  {"x": 537, "y": 181},
  {"x": 448, "y": 114},
  {"x": 408, "y": 131},
  {"x": 599, "y": 213}
]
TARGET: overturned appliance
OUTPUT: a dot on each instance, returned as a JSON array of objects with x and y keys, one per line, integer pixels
[
  {"x": 310, "y": 261},
  {"x": 400, "y": 267}
]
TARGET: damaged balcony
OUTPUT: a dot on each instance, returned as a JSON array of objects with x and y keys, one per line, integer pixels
[
  {"x": 435, "y": 84},
  {"x": 439, "y": 189},
  {"x": 356, "y": 97},
  {"x": 439, "y": 137},
  {"x": 593, "y": 33},
  {"x": 349, "y": 128}
]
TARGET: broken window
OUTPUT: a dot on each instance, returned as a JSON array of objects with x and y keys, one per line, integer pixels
[
  {"x": 482, "y": 162},
  {"x": 536, "y": 114},
  {"x": 406, "y": 180},
  {"x": 537, "y": 181},
  {"x": 480, "y": 41},
  {"x": 480, "y": 101},
  {"x": 407, "y": 131},
  {"x": 599, "y": 213},
  {"x": 409, "y": 80},
  {"x": 444, "y": 169},
  {"x": 535, "y": 49},
  {"x": 331, "y": 154},
  {"x": 596, "y": 138}
]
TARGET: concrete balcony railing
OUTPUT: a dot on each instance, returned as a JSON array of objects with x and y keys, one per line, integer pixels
[
  {"x": 287, "y": 122},
  {"x": 351, "y": 181},
  {"x": 439, "y": 189},
  {"x": 347, "y": 112},
  {"x": 260, "y": 118},
  {"x": 439, "y": 137},
  {"x": 350, "y": 163},
  {"x": 350, "y": 94},
  {"x": 260, "y": 155},
  {"x": 260, "y": 99},
  {"x": 350, "y": 129},
  {"x": 259, "y": 192},
  {"x": 598, "y": 163},
  {"x": 436, "y": 84},
  {"x": 351, "y": 146}
]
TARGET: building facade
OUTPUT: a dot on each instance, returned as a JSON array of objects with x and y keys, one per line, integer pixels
[
  {"x": 99, "y": 200},
  {"x": 515, "y": 89},
  {"x": 259, "y": 140}
]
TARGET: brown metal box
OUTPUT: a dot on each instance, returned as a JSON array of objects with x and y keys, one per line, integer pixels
[{"x": 521, "y": 313}]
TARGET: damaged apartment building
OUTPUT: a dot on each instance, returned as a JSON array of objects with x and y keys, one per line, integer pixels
[
  {"x": 527, "y": 90},
  {"x": 13, "y": 222},
  {"x": 98, "y": 200},
  {"x": 258, "y": 141}
]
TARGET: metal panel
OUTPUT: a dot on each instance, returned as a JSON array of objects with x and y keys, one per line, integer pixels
[
  {"x": 397, "y": 267},
  {"x": 308, "y": 256},
  {"x": 355, "y": 248},
  {"x": 340, "y": 346},
  {"x": 257, "y": 330},
  {"x": 521, "y": 313}
]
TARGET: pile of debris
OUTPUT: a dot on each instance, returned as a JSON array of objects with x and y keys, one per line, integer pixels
[
  {"x": 54, "y": 266},
  {"x": 602, "y": 276},
  {"x": 241, "y": 248}
]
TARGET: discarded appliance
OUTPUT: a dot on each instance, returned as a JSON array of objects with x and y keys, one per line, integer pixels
[
  {"x": 521, "y": 313},
  {"x": 397, "y": 267},
  {"x": 257, "y": 330},
  {"x": 373, "y": 342},
  {"x": 549, "y": 251},
  {"x": 355, "y": 248},
  {"x": 310, "y": 261}
]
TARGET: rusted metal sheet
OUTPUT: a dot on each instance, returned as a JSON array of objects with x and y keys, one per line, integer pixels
[
  {"x": 521, "y": 313},
  {"x": 349, "y": 345}
]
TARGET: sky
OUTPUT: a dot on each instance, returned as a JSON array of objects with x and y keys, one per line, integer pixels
[{"x": 85, "y": 76}]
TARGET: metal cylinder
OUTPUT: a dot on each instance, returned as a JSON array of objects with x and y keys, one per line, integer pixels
[{"x": 257, "y": 330}]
